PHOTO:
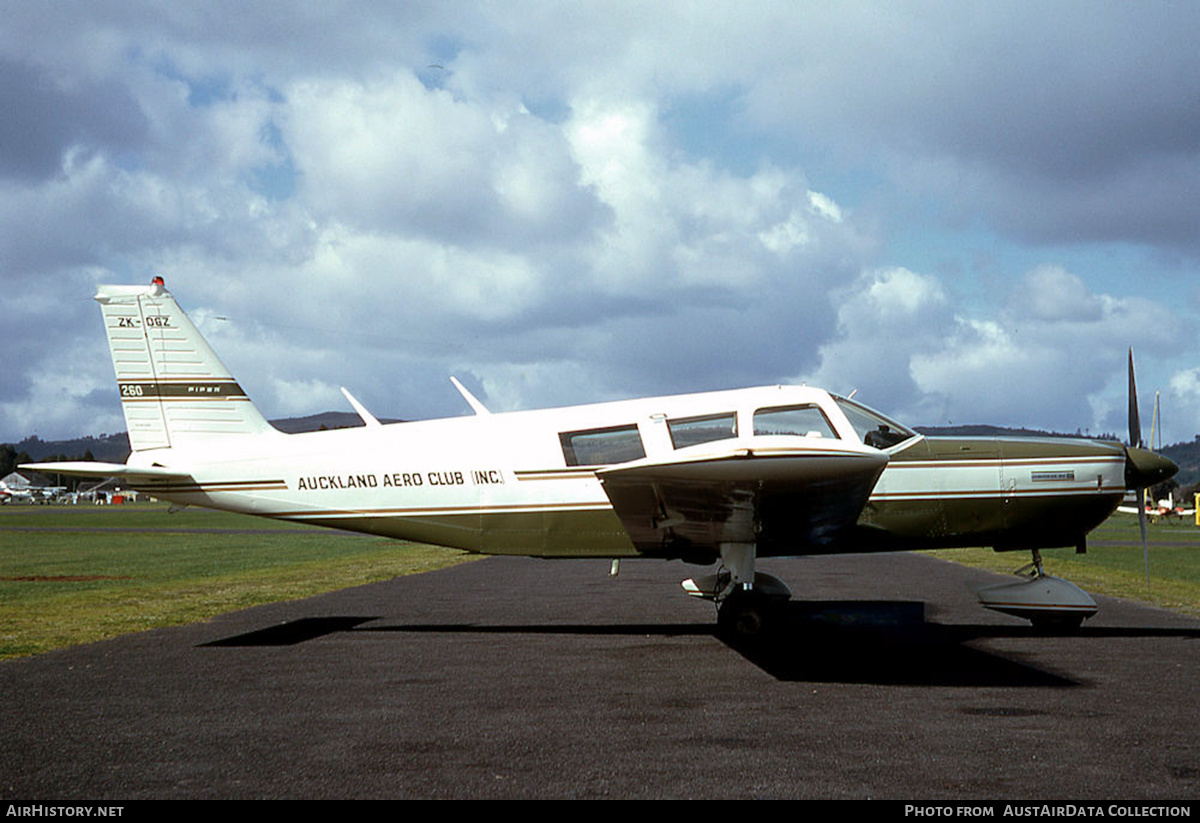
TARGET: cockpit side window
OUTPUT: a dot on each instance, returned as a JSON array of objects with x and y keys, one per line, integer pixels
[
  {"x": 875, "y": 430},
  {"x": 691, "y": 431},
  {"x": 602, "y": 447},
  {"x": 805, "y": 421}
]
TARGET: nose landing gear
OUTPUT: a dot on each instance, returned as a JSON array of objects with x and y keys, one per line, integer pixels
[{"x": 1049, "y": 603}]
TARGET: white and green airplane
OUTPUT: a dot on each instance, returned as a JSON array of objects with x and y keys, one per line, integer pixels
[{"x": 718, "y": 478}]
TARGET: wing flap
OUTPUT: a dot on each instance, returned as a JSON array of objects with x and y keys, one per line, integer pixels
[{"x": 786, "y": 498}]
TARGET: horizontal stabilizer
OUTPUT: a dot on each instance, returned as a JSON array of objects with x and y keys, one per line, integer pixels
[{"x": 83, "y": 468}]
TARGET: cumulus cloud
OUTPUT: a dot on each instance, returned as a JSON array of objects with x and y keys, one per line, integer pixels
[
  {"x": 1184, "y": 402},
  {"x": 574, "y": 203},
  {"x": 64, "y": 391},
  {"x": 43, "y": 120},
  {"x": 1050, "y": 293},
  {"x": 396, "y": 156},
  {"x": 884, "y": 319},
  {"x": 1047, "y": 360},
  {"x": 1052, "y": 124}
]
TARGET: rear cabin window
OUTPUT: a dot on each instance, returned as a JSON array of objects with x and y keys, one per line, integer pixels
[
  {"x": 601, "y": 447},
  {"x": 805, "y": 421},
  {"x": 691, "y": 431}
]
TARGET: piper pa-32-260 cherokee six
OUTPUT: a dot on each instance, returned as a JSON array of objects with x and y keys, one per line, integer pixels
[{"x": 721, "y": 477}]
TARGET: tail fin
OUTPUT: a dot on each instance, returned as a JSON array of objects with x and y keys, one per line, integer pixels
[{"x": 175, "y": 391}]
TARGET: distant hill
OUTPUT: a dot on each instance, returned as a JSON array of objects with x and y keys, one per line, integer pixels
[
  {"x": 1187, "y": 457},
  {"x": 325, "y": 420},
  {"x": 107, "y": 448},
  {"x": 981, "y": 430},
  {"x": 114, "y": 448}
]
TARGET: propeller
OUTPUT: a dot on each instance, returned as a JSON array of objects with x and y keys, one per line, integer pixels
[
  {"x": 1143, "y": 468},
  {"x": 1135, "y": 442}
]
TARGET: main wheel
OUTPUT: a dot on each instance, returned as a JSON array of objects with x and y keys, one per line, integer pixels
[{"x": 745, "y": 616}]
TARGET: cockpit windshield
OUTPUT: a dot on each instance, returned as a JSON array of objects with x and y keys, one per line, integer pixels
[{"x": 875, "y": 430}]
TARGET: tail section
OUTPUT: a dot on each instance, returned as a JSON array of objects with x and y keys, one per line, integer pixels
[{"x": 175, "y": 391}]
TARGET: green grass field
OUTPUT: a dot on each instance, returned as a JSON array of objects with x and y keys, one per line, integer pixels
[{"x": 73, "y": 575}]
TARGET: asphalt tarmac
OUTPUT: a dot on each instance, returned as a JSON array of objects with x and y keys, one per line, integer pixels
[{"x": 520, "y": 678}]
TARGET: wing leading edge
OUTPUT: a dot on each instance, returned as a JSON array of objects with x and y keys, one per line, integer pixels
[{"x": 782, "y": 497}]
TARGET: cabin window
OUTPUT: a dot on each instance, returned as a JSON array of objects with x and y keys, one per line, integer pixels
[
  {"x": 802, "y": 421},
  {"x": 692, "y": 431},
  {"x": 602, "y": 447}
]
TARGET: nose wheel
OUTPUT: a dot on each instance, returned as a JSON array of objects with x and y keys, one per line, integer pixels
[{"x": 1057, "y": 623}]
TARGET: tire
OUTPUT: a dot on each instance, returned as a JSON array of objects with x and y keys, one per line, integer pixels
[
  {"x": 1057, "y": 623},
  {"x": 745, "y": 617}
]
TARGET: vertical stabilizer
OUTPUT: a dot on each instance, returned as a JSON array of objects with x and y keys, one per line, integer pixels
[{"x": 175, "y": 391}]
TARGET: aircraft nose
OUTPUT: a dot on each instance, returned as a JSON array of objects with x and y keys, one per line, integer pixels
[{"x": 1145, "y": 468}]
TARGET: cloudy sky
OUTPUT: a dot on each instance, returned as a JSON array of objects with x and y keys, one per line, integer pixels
[{"x": 966, "y": 211}]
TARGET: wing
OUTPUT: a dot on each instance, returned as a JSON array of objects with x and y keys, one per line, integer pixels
[{"x": 784, "y": 496}]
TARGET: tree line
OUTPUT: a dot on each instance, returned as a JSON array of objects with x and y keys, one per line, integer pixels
[{"x": 10, "y": 458}]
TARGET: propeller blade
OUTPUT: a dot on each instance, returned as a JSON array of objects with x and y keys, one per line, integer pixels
[
  {"x": 1135, "y": 442},
  {"x": 1145, "y": 543},
  {"x": 1142, "y": 468},
  {"x": 1135, "y": 425}
]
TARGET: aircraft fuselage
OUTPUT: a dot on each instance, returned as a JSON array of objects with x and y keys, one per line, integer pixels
[{"x": 520, "y": 483}]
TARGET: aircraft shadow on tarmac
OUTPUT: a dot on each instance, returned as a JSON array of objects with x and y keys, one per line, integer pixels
[{"x": 874, "y": 642}]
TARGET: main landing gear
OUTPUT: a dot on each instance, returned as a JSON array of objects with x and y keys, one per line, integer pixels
[
  {"x": 748, "y": 602},
  {"x": 1049, "y": 603}
]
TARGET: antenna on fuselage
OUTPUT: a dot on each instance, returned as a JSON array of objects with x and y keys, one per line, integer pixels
[
  {"x": 471, "y": 399},
  {"x": 368, "y": 419}
]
